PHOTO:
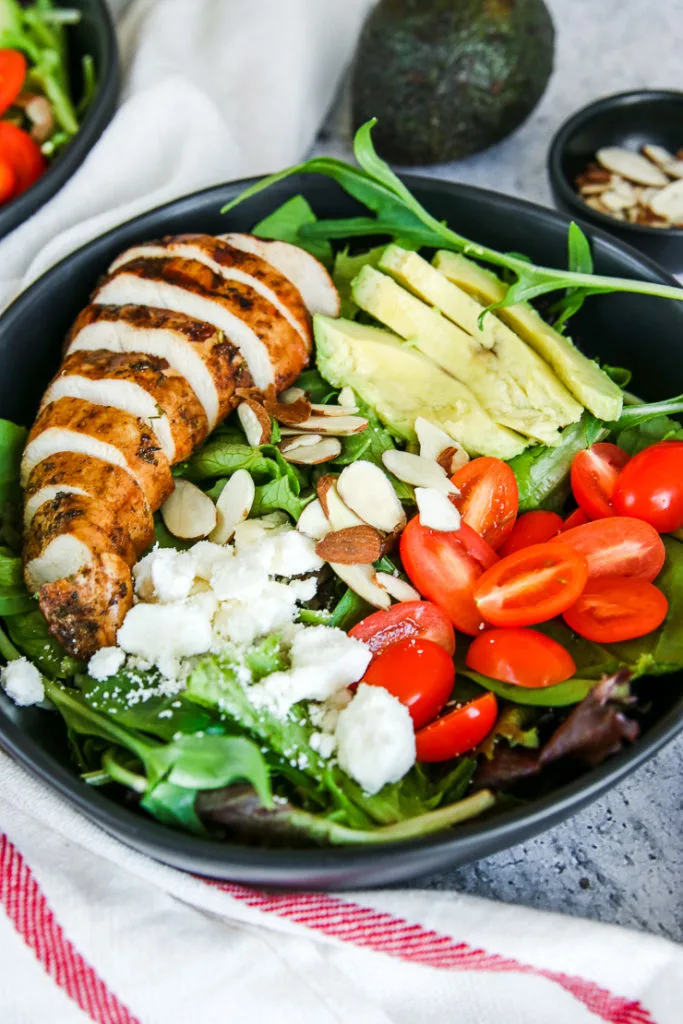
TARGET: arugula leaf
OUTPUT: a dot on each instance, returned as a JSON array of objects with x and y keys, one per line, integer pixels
[
  {"x": 175, "y": 806},
  {"x": 285, "y": 224},
  {"x": 349, "y": 610},
  {"x": 14, "y": 597},
  {"x": 30, "y": 633},
  {"x": 345, "y": 269},
  {"x": 279, "y": 494},
  {"x": 220, "y": 458}
]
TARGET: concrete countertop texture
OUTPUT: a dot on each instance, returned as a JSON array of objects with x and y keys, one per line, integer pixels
[{"x": 621, "y": 859}]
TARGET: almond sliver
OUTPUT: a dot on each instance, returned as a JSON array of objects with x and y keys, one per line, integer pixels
[
  {"x": 368, "y": 492},
  {"x": 188, "y": 512},
  {"x": 233, "y": 505},
  {"x": 418, "y": 471},
  {"x": 436, "y": 511}
]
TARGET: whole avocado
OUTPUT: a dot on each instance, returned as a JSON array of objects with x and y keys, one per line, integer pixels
[{"x": 448, "y": 78}]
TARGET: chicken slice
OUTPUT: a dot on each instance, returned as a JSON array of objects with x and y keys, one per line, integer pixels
[
  {"x": 67, "y": 532},
  {"x": 197, "y": 351},
  {"x": 74, "y": 425},
  {"x": 306, "y": 273},
  {"x": 144, "y": 386},
  {"x": 85, "y": 610},
  {"x": 273, "y": 351},
  {"x": 232, "y": 264},
  {"x": 108, "y": 484}
]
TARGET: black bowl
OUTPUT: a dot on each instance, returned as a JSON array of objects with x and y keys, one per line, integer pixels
[
  {"x": 94, "y": 34},
  {"x": 641, "y": 332},
  {"x": 630, "y": 120}
]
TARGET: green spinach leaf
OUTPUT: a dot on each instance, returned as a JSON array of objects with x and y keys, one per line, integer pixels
[{"x": 285, "y": 224}]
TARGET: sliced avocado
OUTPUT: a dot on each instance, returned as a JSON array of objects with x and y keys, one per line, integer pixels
[
  {"x": 583, "y": 377},
  {"x": 544, "y": 391},
  {"x": 400, "y": 384},
  {"x": 456, "y": 352}
]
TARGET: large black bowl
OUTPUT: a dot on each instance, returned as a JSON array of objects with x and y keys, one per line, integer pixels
[
  {"x": 94, "y": 34},
  {"x": 642, "y": 333}
]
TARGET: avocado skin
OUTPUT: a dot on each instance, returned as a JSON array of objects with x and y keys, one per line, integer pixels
[{"x": 448, "y": 78}]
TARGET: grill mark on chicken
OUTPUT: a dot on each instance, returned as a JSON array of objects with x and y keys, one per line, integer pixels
[{"x": 85, "y": 518}]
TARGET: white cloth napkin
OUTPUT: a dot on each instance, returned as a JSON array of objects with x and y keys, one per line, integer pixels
[{"x": 216, "y": 89}]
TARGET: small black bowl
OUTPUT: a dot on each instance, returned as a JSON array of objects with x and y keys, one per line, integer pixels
[
  {"x": 630, "y": 120},
  {"x": 94, "y": 34}
]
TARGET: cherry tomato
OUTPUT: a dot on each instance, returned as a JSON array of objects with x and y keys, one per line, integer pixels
[
  {"x": 577, "y": 518},
  {"x": 531, "y": 528},
  {"x": 651, "y": 487},
  {"x": 444, "y": 567},
  {"x": 618, "y": 546},
  {"x": 532, "y": 585},
  {"x": 12, "y": 75},
  {"x": 8, "y": 181},
  {"x": 594, "y": 476},
  {"x": 408, "y": 618},
  {"x": 18, "y": 149},
  {"x": 616, "y": 608},
  {"x": 419, "y": 673},
  {"x": 488, "y": 499},
  {"x": 524, "y": 657},
  {"x": 457, "y": 731}
]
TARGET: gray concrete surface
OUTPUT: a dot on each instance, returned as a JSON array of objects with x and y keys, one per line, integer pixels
[{"x": 621, "y": 859}]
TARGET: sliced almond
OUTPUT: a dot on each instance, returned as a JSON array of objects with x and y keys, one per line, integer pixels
[
  {"x": 325, "y": 450},
  {"x": 418, "y": 471},
  {"x": 291, "y": 395},
  {"x": 399, "y": 589},
  {"x": 594, "y": 188},
  {"x": 337, "y": 511},
  {"x": 355, "y": 545},
  {"x": 614, "y": 202},
  {"x": 595, "y": 204},
  {"x": 313, "y": 522},
  {"x": 188, "y": 513},
  {"x": 674, "y": 168},
  {"x": 435, "y": 443},
  {"x": 291, "y": 413},
  {"x": 453, "y": 459},
  {"x": 668, "y": 203},
  {"x": 436, "y": 511},
  {"x": 362, "y": 579},
  {"x": 368, "y": 492},
  {"x": 657, "y": 154},
  {"x": 630, "y": 165},
  {"x": 347, "y": 399},
  {"x": 233, "y": 505},
  {"x": 320, "y": 409},
  {"x": 295, "y": 440},
  {"x": 340, "y": 426},
  {"x": 255, "y": 422}
]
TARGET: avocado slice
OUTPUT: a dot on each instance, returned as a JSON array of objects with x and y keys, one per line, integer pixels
[
  {"x": 400, "y": 385},
  {"x": 497, "y": 385},
  {"x": 583, "y": 377}
]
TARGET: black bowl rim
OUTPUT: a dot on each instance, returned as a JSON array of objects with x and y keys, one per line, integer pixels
[
  {"x": 95, "y": 121},
  {"x": 253, "y": 863},
  {"x": 558, "y": 145}
]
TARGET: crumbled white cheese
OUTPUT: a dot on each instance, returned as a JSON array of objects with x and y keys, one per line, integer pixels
[
  {"x": 162, "y": 634},
  {"x": 304, "y": 590},
  {"x": 164, "y": 575},
  {"x": 22, "y": 682},
  {"x": 324, "y": 743},
  {"x": 105, "y": 663},
  {"x": 375, "y": 738},
  {"x": 323, "y": 660}
]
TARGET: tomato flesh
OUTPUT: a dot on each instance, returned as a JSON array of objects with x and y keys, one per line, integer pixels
[
  {"x": 417, "y": 672},
  {"x": 523, "y": 657},
  {"x": 594, "y": 476},
  {"x": 19, "y": 150},
  {"x": 618, "y": 546},
  {"x": 403, "y": 620},
  {"x": 457, "y": 731},
  {"x": 577, "y": 518},
  {"x": 616, "y": 608},
  {"x": 651, "y": 487},
  {"x": 531, "y": 585},
  {"x": 12, "y": 76},
  {"x": 8, "y": 181},
  {"x": 444, "y": 567},
  {"x": 531, "y": 528},
  {"x": 488, "y": 499}
]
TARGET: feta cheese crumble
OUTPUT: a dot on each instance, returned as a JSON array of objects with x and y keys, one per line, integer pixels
[
  {"x": 22, "y": 682},
  {"x": 105, "y": 663},
  {"x": 375, "y": 738}
]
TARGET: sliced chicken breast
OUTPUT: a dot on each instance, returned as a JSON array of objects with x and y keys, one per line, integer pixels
[
  {"x": 85, "y": 610},
  {"x": 144, "y": 386},
  {"x": 212, "y": 366},
  {"x": 108, "y": 484},
  {"x": 273, "y": 351},
  {"x": 232, "y": 264},
  {"x": 306, "y": 273},
  {"x": 74, "y": 425}
]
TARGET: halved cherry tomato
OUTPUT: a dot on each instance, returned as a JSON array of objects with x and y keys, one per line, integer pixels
[
  {"x": 618, "y": 546},
  {"x": 532, "y": 585},
  {"x": 406, "y": 619},
  {"x": 488, "y": 499},
  {"x": 12, "y": 75},
  {"x": 594, "y": 476},
  {"x": 419, "y": 673},
  {"x": 531, "y": 528},
  {"x": 616, "y": 608},
  {"x": 577, "y": 518},
  {"x": 524, "y": 657},
  {"x": 457, "y": 731},
  {"x": 651, "y": 487},
  {"x": 8, "y": 181},
  {"x": 23, "y": 155},
  {"x": 444, "y": 567}
]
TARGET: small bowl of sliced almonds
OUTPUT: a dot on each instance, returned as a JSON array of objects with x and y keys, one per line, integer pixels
[{"x": 619, "y": 164}]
